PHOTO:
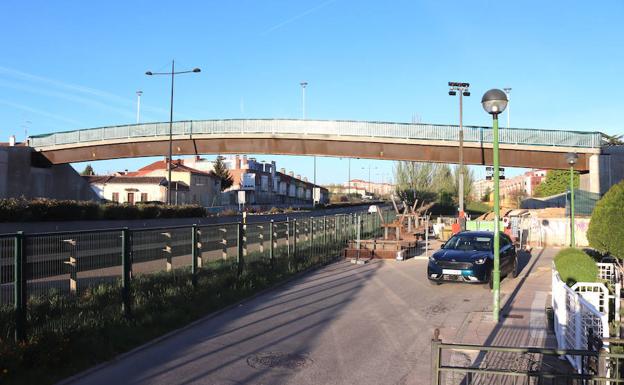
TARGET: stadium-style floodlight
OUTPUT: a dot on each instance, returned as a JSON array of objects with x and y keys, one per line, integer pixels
[
  {"x": 494, "y": 102},
  {"x": 572, "y": 158},
  {"x": 463, "y": 91}
]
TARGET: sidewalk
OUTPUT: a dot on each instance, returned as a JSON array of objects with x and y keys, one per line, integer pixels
[{"x": 523, "y": 315}]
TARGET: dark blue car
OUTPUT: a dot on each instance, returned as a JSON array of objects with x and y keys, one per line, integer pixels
[{"x": 469, "y": 257}]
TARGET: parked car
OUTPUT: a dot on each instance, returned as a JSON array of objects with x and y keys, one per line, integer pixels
[{"x": 469, "y": 257}]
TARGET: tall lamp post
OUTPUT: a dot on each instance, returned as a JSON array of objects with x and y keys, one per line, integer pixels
[
  {"x": 369, "y": 176},
  {"x": 139, "y": 93},
  {"x": 494, "y": 102},
  {"x": 508, "y": 92},
  {"x": 172, "y": 74},
  {"x": 463, "y": 91},
  {"x": 303, "y": 85},
  {"x": 572, "y": 158}
]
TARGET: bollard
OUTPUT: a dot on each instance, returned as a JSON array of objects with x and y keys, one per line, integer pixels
[
  {"x": 436, "y": 353},
  {"x": 224, "y": 243}
]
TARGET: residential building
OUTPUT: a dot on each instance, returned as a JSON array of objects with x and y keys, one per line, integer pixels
[
  {"x": 525, "y": 183},
  {"x": 370, "y": 187},
  {"x": 258, "y": 182},
  {"x": 204, "y": 188},
  {"x": 134, "y": 189}
]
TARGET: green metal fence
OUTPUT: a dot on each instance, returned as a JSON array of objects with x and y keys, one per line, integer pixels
[
  {"x": 44, "y": 277},
  {"x": 461, "y": 364}
]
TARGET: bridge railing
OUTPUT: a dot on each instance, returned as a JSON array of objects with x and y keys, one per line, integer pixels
[{"x": 417, "y": 131}]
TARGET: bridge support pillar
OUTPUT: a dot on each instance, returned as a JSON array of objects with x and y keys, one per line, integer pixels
[{"x": 605, "y": 170}]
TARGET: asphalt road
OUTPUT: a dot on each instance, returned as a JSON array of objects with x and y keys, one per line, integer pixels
[{"x": 343, "y": 324}]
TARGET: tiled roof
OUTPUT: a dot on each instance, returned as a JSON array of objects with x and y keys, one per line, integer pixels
[
  {"x": 176, "y": 165},
  {"x": 100, "y": 179}
]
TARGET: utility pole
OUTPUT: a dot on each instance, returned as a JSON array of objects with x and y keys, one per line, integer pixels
[{"x": 303, "y": 85}]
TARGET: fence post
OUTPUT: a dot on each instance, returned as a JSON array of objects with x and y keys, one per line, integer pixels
[
  {"x": 261, "y": 238},
  {"x": 194, "y": 254},
  {"x": 311, "y": 237},
  {"x": 72, "y": 266},
  {"x": 168, "y": 250},
  {"x": 224, "y": 244},
  {"x": 19, "y": 287},
  {"x": 435, "y": 357},
  {"x": 126, "y": 265},
  {"x": 325, "y": 248},
  {"x": 271, "y": 240},
  {"x": 239, "y": 243},
  {"x": 295, "y": 239}
]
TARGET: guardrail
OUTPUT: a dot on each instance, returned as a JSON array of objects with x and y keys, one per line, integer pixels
[
  {"x": 37, "y": 271},
  {"x": 457, "y": 364},
  {"x": 475, "y": 134}
]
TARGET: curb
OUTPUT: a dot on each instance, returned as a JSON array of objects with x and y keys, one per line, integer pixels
[{"x": 148, "y": 344}]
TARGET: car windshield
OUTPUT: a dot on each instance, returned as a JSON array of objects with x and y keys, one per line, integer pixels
[{"x": 469, "y": 242}]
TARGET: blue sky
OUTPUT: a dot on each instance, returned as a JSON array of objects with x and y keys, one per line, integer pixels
[{"x": 76, "y": 64}]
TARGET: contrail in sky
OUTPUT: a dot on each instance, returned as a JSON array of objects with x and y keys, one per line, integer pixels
[
  {"x": 40, "y": 112},
  {"x": 297, "y": 17},
  {"x": 16, "y": 74}
]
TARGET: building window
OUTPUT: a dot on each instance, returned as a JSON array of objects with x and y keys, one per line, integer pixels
[
  {"x": 116, "y": 197},
  {"x": 143, "y": 197},
  {"x": 130, "y": 198}
]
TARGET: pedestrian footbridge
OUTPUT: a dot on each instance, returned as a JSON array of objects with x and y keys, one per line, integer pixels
[{"x": 529, "y": 148}]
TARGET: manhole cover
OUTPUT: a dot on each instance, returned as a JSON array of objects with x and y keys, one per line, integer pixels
[{"x": 278, "y": 360}]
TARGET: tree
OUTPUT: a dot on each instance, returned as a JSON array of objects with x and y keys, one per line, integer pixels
[
  {"x": 605, "y": 232},
  {"x": 613, "y": 140},
  {"x": 220, "y": 170},
  {"x": 88, "y": 170},
  {"x": 486, "y": 195},
  {"x": 517, "y": 196},
  {"x": 556, "y": 182}
]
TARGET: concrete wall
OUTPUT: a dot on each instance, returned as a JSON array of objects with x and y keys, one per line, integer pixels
[
  {"x": 554, "y": 231},
  {"x": 605, "y": 170},
  {"x": 24, "y": 173}
]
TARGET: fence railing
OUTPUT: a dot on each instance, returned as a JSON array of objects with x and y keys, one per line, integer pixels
[
  {"x": 575, "y": 318},
  {"x": 477, "y": 134},
  {"x": 457, "y": 364},
  {"x": 40, "y": 273}
]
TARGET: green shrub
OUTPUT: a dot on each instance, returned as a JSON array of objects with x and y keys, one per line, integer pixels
[
  {"x": 575, "y": 265},
  {"x": 606, "y": 227},
  {"x": 22, "y": 210}
]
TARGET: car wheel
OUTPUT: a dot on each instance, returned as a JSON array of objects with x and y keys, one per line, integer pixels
[
  {"x": 515, "y": 272},
  {"x": 434, "y": 282},
  {"x": 490, "y": 280}
]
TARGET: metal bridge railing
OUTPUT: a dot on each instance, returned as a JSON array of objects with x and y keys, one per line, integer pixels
[{"x": 476, "y": 134}]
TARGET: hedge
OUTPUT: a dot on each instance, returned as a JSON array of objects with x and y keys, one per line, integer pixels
[
  {"x": 606, "y": 227},
  {"x": 24, "y": 210},
  {"x": 575, "y": 265}
]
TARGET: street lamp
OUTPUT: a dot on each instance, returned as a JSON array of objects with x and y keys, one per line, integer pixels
[
  {"x": 172, "y": 74},
  {"x": 508, "y": 92},
  {"x": 572, "y": 158},
  {"x": 303, "y": 85},
  {"x": 463, "y": 91},
  {"x": 139, "y": 93},
  {"x": 494, "y": 102},
  {"x": 369, "y": 176}
]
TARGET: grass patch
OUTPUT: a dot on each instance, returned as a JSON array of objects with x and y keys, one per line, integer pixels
[
  {"x": 67, "y": 334},
  {"x": 574, "y": 265}
]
